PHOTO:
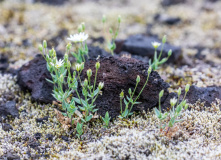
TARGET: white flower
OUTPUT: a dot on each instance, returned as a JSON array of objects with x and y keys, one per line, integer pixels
[
  {"x": 173, "y": 101},
  {"x": 58, "y": 63},
  {"x": 79, "y": 37},
  {"x": 101, "y": 85},
  {"x": 155, "y": 44}
]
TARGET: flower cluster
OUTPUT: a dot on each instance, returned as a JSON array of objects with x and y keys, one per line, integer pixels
[{"x": 66, "y": 87}]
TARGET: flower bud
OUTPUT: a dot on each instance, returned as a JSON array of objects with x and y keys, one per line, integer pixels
[
  {"x": 179, "y": 91},
  {"x": 161, "y": 93},
  {"x": 83, "y": 26},
  {"x": 68, "y": 64},
  {"x": 97, "y": 65},
  {"x": 101, "y": 85},
  {"x": 53, "y": 53},
  {"x": 169, "y": 53},
  {"x": 138, "y": 79},
  {"x": 79, "y": 28},
  {"x": 164, "y": 39},
  {"x": 110, "y": 31},
  {"x": 78, "y": 67},
  {"x": 122, "y": 94},
  {"x": 50, "y": 52},
  {"x": 45, "y": 44},
  {"x": 119, "y": 19},
  {"x": 104, "y": 19},
  {"x": 66, "y": 57},
  {"x": 74, "y": 74},
  {"x": 69, "y": 45},
  {"x": 187, "y": 88},
  {"x": 149, "y": 70},
  {"x": 129, "y": 91},
  {"x": 85, "y": 83},
  {"x": 40, "y": 48},
  {"x": 173, "y": 101},
  {"x": 184, "y": 103},
  {"x": 89, "y": 72}
]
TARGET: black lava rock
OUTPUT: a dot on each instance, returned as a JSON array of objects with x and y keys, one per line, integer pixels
[
  {"x": 9, "y": 108},
  {"x": 52, "y": 2},
  {"x": 94, "y": 52},
  {"x": 6, "y": 127},
  {"x": 37, "y": 135},
  {"x": 32, "y": 77},
  {"x": 207, "y": 94},
  {"x": 41, "y": 120},
  {"x": 34, "y": 145},
  {"x": 172, "y": 2},
  {"x": 3, "y": 63},
  {"x": 142, "y": 45},
  {"x": 50, "y": 136},
  {"x": 65, "y": 138},
  {"x": 120, "y": 74},
  {"x": 10, "y": 156},
  {"x": 167, "y": 19}
]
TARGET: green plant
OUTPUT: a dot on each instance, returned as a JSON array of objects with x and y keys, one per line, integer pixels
[
  {"x": 66, "y": 84},
  {"x": 173, "y": 113},
  {"x": 79, "y": 129},
  {"x": 106, "y": 119},
  {"x": 130, "y": 101},
  {"x": 81, "y": 49},
  {"x": 111, "y": 43},
  {"x": 156, "y": 60}
]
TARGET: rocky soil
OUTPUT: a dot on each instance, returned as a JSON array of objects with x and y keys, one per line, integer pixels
[{"x": 29, "y": 127}]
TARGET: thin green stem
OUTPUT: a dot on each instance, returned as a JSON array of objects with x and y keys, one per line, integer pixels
[
  {"x": 161, "y": 51},
  {"x": 95, "y": 79},
  {"x": 143, "y": 88},
  {"x": 121, "y": 105}
]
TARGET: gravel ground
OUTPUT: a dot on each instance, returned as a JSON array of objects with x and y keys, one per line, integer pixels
[{"x": 24, "y": 25}]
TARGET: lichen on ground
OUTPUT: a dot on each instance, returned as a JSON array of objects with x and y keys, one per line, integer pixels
[{"x": 24, "y": 26}]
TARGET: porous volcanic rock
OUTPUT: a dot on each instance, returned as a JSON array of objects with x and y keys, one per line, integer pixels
[
  {"x": 94, "y": 52},
  {"x": 120, "y": 74},
  {"x": 32, "y": 77},
  {"x": 203, "y": 94},
  {"x": 9, "y": 109},
  {"x": 141, "y": 45}
]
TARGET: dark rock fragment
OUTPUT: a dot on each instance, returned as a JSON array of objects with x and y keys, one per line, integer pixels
[
  {"x": 37, "y": 135},
  {"x": 11, "y": 156},
  {"x": 3, "y": 63},
  {"x": 172, "y": 2},
  {"x": 34, "y": 145},
  {"x": 6, "y": 127},
  {"x": 141, "y": 45},
  {"x": 41, "y": 120},
  {"x": 32, "y": 77},
  {"x": 9, "y": 108},
  {"x": 120, "y": 74},
  {"x": 50, "y": 136},
  {"x": 207, "y": 94},
  {"x": 65, "y": 138},
  {"x": 94, "y": 52},
  {"x": 165, "y": 19},
  {"x": 52, "y": 2}
]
